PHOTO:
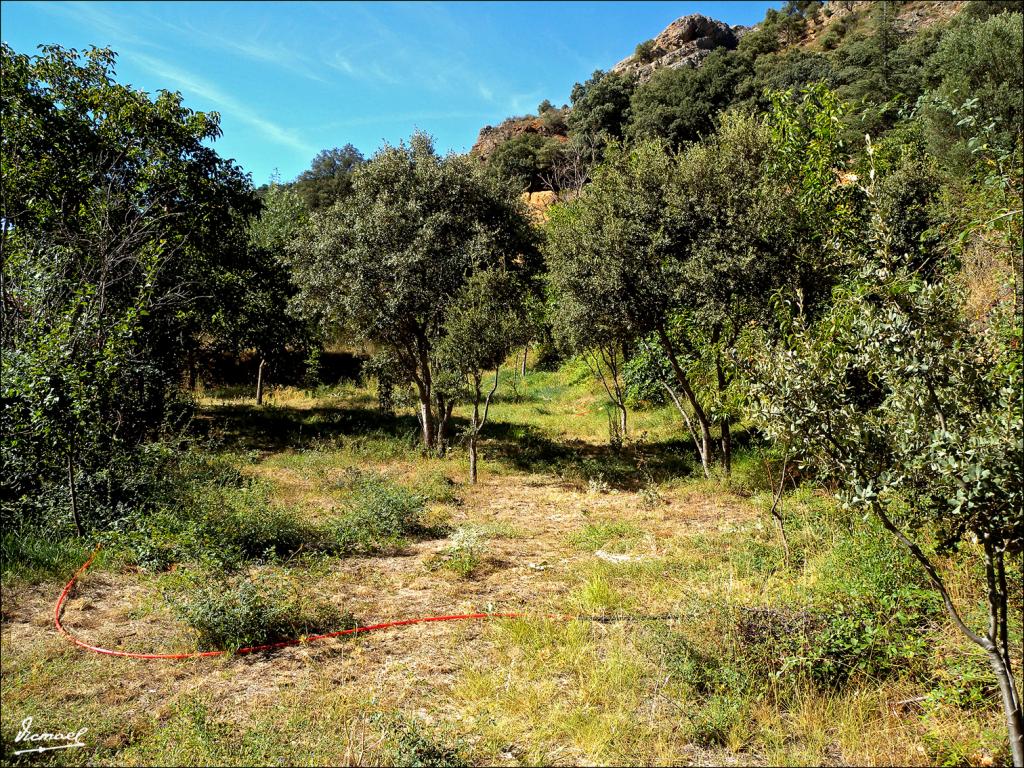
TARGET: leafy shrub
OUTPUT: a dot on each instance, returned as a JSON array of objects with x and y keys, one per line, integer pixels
[
  {"x": 646, "y": 51},
  {"x": 222, "y": 518},
  {"x": 871, "y": 639},
  {"x": 234, "y": 612},
  {"x": 464, "y": 554},
  {"x": 379, "y": 516}
]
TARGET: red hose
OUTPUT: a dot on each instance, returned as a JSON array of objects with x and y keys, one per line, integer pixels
[{"x": 59, "y": 608}]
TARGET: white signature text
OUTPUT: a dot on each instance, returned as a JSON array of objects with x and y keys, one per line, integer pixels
[{"x": 73, "y": 738}]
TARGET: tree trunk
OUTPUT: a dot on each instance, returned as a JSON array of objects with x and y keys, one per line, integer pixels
[
  {"x": 472, "y": 459},
  {"x": 526, "y": 351},
  {"x": 622, "y": 418},
  {"x": 689, "y": 426},
  {"x": 427, "y": 423},
  {"x": 444, "y": 415},
  {"x": 74, "y": 496},
  {"x": 259, "y": 382},
  {"x": 1011, "y": 705},
  {"x": 726, "y": 446},
  {"x": 999, "y": 658},
  {"x": 698, "y": 411}
]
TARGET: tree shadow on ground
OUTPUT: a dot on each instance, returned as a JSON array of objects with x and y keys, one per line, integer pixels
[
  {"x": 629, "y": 467},
  {"x": 277, "y": 428},
  {"x": 522, "y": 447}
]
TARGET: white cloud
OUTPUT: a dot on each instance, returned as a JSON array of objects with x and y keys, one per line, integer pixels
[{"x": 223, "y": 102}]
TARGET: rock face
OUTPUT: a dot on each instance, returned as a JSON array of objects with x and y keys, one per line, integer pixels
[
  {"x": 686, "y": 42},
  {"x": 492, "y": 136},
  {"x": 538, "y": 204}
]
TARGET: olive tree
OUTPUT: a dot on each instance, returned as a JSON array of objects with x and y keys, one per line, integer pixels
[
  {"x": 678, "y": 252},
  {"x": 387, "y": 263},
  {"x": 916, "y": 415},
  {"x": 486, "y": 322}
]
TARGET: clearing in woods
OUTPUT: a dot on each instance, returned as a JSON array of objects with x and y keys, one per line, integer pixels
[{"x": 559, "y": 523}]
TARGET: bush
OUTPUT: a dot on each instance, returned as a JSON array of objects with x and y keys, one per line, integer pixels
[
  {"x": 646, "y": 51},
  {"x": 379, "y": 517},
  {"x": 217, "y": 516},
  {"x": 231, "y": 613},
  {"x": 409, "y": 744}
]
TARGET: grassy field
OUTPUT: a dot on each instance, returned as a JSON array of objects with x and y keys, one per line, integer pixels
[{"x": 839, "y": 656}]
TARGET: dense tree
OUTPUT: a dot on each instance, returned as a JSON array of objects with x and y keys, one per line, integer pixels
[
  {"x": 329, "y": 177},
  {"x": 677, "y": 252},
  {"x": 680, "y": 105},
  {"x": 605, "y": 255},
  {"x": 526, "y": 159},
  {"x": 123, "y": 233},
  {"x": 388, "y": 263},
  {"x": 600, "y": 106},
  {"x": 978, "y": 76}
]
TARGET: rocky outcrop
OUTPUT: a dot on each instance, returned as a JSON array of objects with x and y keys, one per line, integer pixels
[
  {"x": 493, "y": 136},
  {"x": 686, "y": 42},
  {"x": 538, "y": 204}
]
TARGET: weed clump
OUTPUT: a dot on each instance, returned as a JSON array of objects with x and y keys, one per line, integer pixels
[
  {"x": 235, "y": 612},
  {"x": 379, "y": 516},
  {"x": 409, "y": 743},
  {"x": 464, "y": 555}
]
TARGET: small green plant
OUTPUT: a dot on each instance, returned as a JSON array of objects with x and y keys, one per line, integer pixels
[
  {"x": 234, "y": 612},
  {"x": 464, "y": 554},
  {"x": 646, "y": 51},
  {"x": 409, "y": 743},
  {"x": 436, "y": 486}
]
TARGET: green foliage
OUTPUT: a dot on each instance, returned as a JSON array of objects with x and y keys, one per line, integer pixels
[
  {"x": 213, "y": 514},
  {"x": 125, "y": 250},
  {"x": 387, "y": 264},
  {"x": 379, "y": 516},
  {"x": 328, "y": 178},
  {"x": 231, "y": 612},
  {"x": 464, "y": 553},
  {"x": 409, "y": 743},
  {"x": 978, "y": 77},
  {"x": 681, "y": 105},
  {"x": 646, "y": 52},
  {"x": 600, "y": 106},
  {"x": 526, "y": 160},
  {"x": 35, "y": 556}
]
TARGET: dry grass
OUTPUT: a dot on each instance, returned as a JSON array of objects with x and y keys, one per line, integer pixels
[{"x": 523, "y": 691}]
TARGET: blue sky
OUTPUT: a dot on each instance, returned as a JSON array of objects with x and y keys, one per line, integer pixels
[{"x": 292, "y": 78}]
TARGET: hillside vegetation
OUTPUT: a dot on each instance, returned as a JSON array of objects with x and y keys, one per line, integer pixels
[{"x": 734, "y": 429}]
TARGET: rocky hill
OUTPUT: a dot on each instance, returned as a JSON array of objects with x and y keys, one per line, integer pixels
[
  {"x": 491, "y": 136},
  {"x": 689, "y": 40},
  {"x": 686, "y": 42}
]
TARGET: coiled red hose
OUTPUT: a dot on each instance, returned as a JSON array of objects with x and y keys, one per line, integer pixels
[{"x": 59, "y": 609}]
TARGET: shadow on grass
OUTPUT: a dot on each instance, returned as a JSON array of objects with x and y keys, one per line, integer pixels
[
  {"x": 276, "y": 428},
  {"x": 525, "y": 448},
  {"x": 522, "y": 447}
]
